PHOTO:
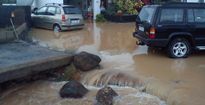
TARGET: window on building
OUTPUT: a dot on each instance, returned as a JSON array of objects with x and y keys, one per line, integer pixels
[{"x": 171, "y": 16}]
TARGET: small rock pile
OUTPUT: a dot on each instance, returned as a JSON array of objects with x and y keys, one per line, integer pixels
[{"x": 73, "y": 89}]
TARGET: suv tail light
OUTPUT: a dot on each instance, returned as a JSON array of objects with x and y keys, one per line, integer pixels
[
  {"x": 152, "y": 33},
  {"x": 63, "y": 18}
]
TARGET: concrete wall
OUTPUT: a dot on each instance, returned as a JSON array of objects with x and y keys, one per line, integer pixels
[
  {"x": 6, "y": 36},
  {"x": 24, "y": 2},
  {"x": 22, "y": 21},
  {"x": 22, "y": 14}
]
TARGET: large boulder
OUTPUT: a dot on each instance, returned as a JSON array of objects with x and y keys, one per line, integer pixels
[
  {"x": 73, "y": 89},
  {"x": 105, "y": 96},
  {"x": 85, "y": 61}
]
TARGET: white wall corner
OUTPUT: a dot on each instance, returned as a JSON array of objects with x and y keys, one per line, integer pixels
[{"x": 96, "y": 8}]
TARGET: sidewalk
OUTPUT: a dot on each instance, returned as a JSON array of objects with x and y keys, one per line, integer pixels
[{"x": 19, "y": 59}]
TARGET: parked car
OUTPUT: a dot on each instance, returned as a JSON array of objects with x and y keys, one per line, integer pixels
[
  {"x": 178, "y": 27},
  {"x": 58, "y": 17}
]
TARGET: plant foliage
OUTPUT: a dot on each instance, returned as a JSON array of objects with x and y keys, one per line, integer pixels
[
  {"x": 100, "y": 18},
  {"x": 125, "y": 7}
]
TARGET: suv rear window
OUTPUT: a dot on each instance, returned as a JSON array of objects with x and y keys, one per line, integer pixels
[
  {"x": 171, "y": 15},
  {"x": 147, "y": 14},
  {"x": 71, "y": 10}
]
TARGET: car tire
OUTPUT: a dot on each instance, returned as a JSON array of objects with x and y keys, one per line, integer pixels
[
  {"x": 179, "y": 48},
  {"x": 56, "y": 28}
]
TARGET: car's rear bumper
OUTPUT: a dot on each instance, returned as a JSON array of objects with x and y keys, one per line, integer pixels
[
  {"x": 151, "y": 42},
  {"x": 70, "y": 27}
]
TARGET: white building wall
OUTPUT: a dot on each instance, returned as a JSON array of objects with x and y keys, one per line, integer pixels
[
  {"x": 40, "y": 3},
  {"x": 24, "y": 2},
  {"x": 96, "y": 8}
]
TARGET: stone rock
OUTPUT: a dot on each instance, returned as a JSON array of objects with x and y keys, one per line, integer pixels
[
  {"x": 65, "y": 74},
  {"x": 86, "y": 61},
  {"x": 105, "y": 96},
  {"x": 73, "y": 89},
  {"x": 71, "y": 73}
]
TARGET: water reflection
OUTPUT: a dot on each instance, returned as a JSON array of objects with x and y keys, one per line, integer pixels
[
  {"x": 95, "y": 46},
  {"x": 62, "y": 40},
  {"x": 178, "y": 66},
  {"x": 102, "y": 36}
]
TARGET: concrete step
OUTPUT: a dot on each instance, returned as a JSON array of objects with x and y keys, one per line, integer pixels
[{"x": 19, "y": 59}]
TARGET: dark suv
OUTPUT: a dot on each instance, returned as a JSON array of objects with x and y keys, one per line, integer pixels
[{"x": 178, "y": 27}]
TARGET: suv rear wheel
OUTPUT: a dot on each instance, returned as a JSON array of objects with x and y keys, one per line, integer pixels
[{"x": 179, "y": 48}]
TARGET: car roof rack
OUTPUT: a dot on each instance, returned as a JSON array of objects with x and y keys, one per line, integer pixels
[
  {"x": 178, "y": 3},
  {"x": 55, "y": 4},
  {"x": 183, "y": 4}
]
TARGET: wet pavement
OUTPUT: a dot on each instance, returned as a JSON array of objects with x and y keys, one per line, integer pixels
[
  {"x": 176, "y": 81},
  {"x": 19, "y": 59}
]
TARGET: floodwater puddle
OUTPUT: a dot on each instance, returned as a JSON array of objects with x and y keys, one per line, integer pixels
[
  {"x": 46, "y": 93},
  {"x": 141, "y": 75}
]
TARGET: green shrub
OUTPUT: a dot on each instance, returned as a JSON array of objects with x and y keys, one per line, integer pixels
[
  {"x": 100, "y": 18},
  {"x": 126, "y": 6},
  {"x": 112, "y": 9}
]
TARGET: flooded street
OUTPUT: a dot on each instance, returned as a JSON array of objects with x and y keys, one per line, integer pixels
[{"x": 141, "y": 75}]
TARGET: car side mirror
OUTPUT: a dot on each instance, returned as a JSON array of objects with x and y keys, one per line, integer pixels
[{"x": 34, "y": 11}]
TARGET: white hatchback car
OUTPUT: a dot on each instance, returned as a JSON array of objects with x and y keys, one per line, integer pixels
[{"x": 58, "y": 17}]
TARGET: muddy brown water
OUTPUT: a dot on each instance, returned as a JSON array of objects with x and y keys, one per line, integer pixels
[{"x": 130, "y": 69}]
